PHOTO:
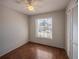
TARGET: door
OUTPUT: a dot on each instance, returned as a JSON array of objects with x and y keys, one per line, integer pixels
[
  {"x": 75, "y": 32},
  {"x": 69, "y": 34}
]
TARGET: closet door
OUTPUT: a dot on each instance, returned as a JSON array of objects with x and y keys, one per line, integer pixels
[
  {"x": 75, "y": 32},
  {"x": 69, "y": 34}
]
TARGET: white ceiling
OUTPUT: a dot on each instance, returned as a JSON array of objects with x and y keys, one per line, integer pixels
[{"x": 41, "y": 6}]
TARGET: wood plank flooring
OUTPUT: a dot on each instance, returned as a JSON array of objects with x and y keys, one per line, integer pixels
[{"x": 36, "y": 51}]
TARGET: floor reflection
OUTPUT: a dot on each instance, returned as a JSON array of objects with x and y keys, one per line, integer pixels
[{"x": 42, "y": 54}]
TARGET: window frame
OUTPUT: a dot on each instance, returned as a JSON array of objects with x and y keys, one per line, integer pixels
[{"x": 36, "y": 34}]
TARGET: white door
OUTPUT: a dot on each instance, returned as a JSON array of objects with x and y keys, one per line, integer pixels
[
  {"x": 75, "y": 32},
  {"x": 69, "y": 34}
]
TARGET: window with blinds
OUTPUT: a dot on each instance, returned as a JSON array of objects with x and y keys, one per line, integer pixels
[{"x": 44, "y": 28}]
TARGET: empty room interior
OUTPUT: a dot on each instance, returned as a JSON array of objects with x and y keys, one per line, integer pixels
[{"x": 38, "y": 29}]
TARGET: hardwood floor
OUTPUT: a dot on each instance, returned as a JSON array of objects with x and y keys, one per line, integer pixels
[{"x": 36, "y": 51}]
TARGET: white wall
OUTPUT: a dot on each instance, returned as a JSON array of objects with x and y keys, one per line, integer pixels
[
  {"x": 13, "y": 30},
  {"x": 58, "y": 31}
]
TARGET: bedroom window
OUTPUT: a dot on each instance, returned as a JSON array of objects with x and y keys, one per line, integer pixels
[{"x": 44, "y": 28}]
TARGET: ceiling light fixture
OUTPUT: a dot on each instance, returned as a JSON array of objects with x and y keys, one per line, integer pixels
[
  {"x": 30, "y": 8},
  {"x": 30, "y": 4}
]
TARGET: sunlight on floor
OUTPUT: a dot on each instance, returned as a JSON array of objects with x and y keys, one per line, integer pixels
[{"x": 41, "y": 54}]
